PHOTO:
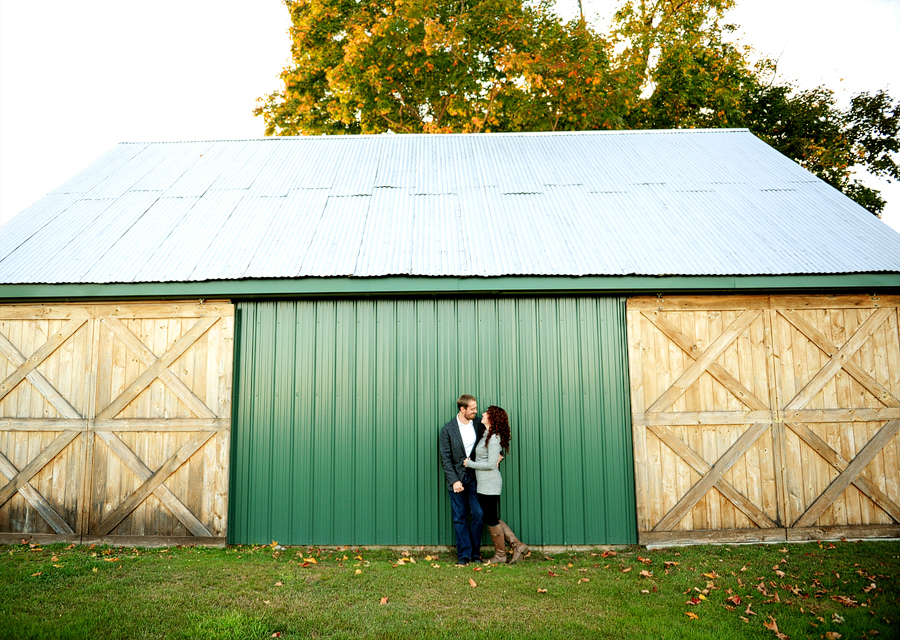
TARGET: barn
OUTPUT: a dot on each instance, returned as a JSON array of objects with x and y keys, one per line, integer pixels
[{"x": 251, "y": 340}]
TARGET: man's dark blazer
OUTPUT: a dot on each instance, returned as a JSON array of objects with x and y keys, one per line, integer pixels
[{"x": 453, "y": 452}]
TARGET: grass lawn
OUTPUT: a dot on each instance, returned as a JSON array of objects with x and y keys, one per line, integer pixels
[{"x": 814, "y": 590}]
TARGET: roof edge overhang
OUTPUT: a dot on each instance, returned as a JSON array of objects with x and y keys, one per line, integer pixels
[{"x": 411, "y": 285}]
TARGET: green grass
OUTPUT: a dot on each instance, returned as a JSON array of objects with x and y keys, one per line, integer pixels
[{"x": 255, "y": 592}]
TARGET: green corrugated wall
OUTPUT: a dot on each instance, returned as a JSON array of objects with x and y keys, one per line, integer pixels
[{"x": 339, "y": 403}]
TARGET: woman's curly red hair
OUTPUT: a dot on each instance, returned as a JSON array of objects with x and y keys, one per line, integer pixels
[{"x": 499, "y": 425}]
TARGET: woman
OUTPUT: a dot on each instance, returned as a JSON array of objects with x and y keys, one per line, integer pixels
[{"x": 490, "y": 482}]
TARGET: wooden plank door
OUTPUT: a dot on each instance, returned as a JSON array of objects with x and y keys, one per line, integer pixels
[
  {"x": 838, "y": 369},
  {"x": 765, "y": 417},
  {"x": 134, "y": 414}
]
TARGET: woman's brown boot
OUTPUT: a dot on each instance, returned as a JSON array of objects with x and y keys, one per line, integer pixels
[
  {"x": 519, "y": 548},
  {"x": 499, "y": 545}
]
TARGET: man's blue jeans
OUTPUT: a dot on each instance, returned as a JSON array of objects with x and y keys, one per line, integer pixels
[{"x": 468, "y": 522}]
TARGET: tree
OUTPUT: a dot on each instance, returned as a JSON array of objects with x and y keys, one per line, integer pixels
[
  {"x": 809, "y": 127},
  {"x": 436, "y": 66},
  {"x": 510, "y": 65}
]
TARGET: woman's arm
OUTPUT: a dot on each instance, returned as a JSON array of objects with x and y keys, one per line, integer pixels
[{"x": 493, "y": 456}]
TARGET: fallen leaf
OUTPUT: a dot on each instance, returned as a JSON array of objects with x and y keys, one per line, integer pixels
[
  {"x": 277, "y": 634},
  {"x": 744, "y": 568},
  {"x": 691, "y": 615},
  {"x": 476, "y": 568},
  {"x": 358, "y": 571},
  {"x": 584, "y": 580},
  {"x": 94, "y": 569},
  {"x": 36, "y": 574},
  {"x": 669, "y": 564},
  {"x": 749, "y": 612},
  {"x": 59, "y": 566},
  {"x": 836, "y": 618},
  {"x": 405, "y": 554},
  {"x": 551, "y": 574},
  {"x": 384, "y": 600},
  {"x": 832, "y": 635},
  {"x": 711, "y": 575},
  {"x": 733, "y": 599},
  {"x": 644, "y": 560},
  {"x": 472, "y": 583},
  {"x": 693, "y": 601},
  {"x": 428, "y": 558},
  {"x": 626, "y": 569},
  {"x": 870, "y": 588},
  {"x": 54, "y": 559},
  {"x": 542, "y": 591},
  {"x": 310, "y": 560},
  {"x": 607, "y": 554},
  {"x": 646, "y": 574},
  {"x": 783, "y": 550},
  {"x": 745, "y": 619},
  {"x": 279, "y": 584},
  {"x": 845, "y": 600},
  {"x": 645, "y": 591}
]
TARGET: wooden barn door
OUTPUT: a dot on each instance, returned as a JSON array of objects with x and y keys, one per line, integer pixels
[
  {"x": 765, "y": 418},
  {"x": 115, "y": 422}
]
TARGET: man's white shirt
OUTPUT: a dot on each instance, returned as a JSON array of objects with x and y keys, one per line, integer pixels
[{"x": 467, "y": 433}]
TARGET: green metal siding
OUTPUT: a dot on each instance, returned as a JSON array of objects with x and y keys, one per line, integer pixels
[{"x": 339, "y": 403}]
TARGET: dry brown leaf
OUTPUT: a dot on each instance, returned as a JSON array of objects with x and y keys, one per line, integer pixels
[
  {"x": 384, "y": 600},
  {"x": 626, "y": 569},
  {"x": 646, "y": 574},
  {"x": 472, "y": 583},
  {"x": 542, "y": 591},
  {"x": 645, "y": 591},
  {"x": 584, "y": 580},
  {"x": 279, "y": 584},
  {"x": 833, "y": 635},
  {"x": 870, "y": 588},
  {"x": 644, "y": 560},
  {"x": 847, "y": 601}
]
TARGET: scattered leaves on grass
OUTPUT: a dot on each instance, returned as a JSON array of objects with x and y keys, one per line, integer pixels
[
  {"x": 310, "y": 560},
  {"x": 833, "y": 635},
  {"x": 846, "y": 601},
  {"x": 644, "y": 560},
  {"x": 550, "y": 573},
  {"x": 691, "y": 615},
  {"x": 735, "y": 600},
  {"x": 837, "y": 618},
  {"x": 607, "y": 554},
  {"x": 472, "y": 583}
]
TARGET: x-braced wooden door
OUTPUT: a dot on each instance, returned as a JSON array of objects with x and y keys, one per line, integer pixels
[
  {"x": 115, "y": 421},
  {"x": 765, "y": 417}
]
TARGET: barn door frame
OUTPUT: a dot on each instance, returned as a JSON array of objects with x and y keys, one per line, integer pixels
[
  {"x": 782, "y": 422},
  {"x": 85, "y": 513}
]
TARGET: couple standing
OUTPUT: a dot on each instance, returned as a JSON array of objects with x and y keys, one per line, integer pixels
[{"x": 471, "y": 452}]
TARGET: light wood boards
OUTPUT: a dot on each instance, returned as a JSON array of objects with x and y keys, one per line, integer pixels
[
  {"x": 115, "y": 420},
  {"x": 764, "y": 413}
]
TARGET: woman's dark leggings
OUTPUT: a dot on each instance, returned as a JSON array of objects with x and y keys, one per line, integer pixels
[{"x": 490, "y": 507}]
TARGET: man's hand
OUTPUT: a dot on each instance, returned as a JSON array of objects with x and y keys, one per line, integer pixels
[
  {"x": 466, "y": 463},
  {"x": 458, "y": 487}
]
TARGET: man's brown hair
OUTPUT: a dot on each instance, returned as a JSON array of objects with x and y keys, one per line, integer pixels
[{"x": 464, "y": 401}]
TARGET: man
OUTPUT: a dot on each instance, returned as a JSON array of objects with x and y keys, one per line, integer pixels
[{"x": 458, "y": 438}]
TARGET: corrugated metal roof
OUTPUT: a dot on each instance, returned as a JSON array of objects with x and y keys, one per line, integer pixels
[{"x": 698, "y": 202}]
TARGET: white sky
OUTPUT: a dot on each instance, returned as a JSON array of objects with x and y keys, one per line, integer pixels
[{"x": 79, "y": 76}]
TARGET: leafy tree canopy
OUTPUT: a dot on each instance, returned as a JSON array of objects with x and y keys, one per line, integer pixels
[{"x": 441, "y": 66}]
